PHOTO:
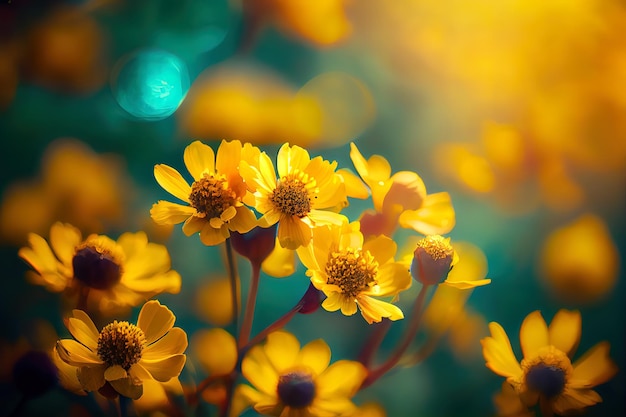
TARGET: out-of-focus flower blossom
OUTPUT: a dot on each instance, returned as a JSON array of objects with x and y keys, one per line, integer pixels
[
  {"x": 76, "y": 185},
  {"x": 307, "y": 194},
  {"x": 123, "y": 355},
  {"x": 214, "y": 199},
  {"x": 290, "y": 381},
  {"x": 579, "y": 261},
  {"x": 115, "y": 274},
  {"x": 509, "y": 404},
  {"x": 215, "y": 350},
  {"x": 355, "y": 273},
  {"x": 214, "y": 302},
  {"x": 400, "y": 199},
  {"x": 321, "y": 23},
  {"x": 546, "y": 374}
]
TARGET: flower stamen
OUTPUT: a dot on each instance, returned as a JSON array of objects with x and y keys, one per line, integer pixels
[
  {"x": 211, "y": 196},
  {"x": 352, "y": 270},
  {"x": 291, "y": 195},
  {"x": 121, "y": 343}
]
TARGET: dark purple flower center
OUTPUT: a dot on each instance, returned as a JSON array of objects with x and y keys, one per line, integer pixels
[
  {"x": 548, "y": 380},
  {"x": 34, "y": 374},
  {"x": 296, "y": 389},
  {"x": 96, "y": 269}
]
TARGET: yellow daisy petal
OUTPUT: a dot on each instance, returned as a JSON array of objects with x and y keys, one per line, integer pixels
[
  {"x": 91, "y": 378},
  {"x": 193, "y": 225},
  {"x": 64, "y": 239},
  {"x": 244, "y": 220},
  {"x": 293, "y": 233},
  {"x": 75, "y": 354},
  {"x": 257, "y": 369},
  {"x": 435, "y": 217},
  {"x": 499, "y": 354},
  {"x": 174, "y": 342},
  {"x": 199, "y": 159},
  {"x": 115, "y": 372},
  {"x": 565, "y": 330},
  {"x": 166, "y": 213},
  {"x": 228, "y": 157},
  {"x": 211, "y": 236},
  {"x": 382, "y": 248},
  {"x": 316, "y": 356},
  {"x": 139, "y": 373},
  {"x": 290, "y": 158},
  {"x": 533, "y": 334},
  {"x": 281, "y": 350},
  {"x": 172, "y": 182},
  {"x": 166, "y": 368},
  {"x": 155, "y": 320},
  {"x": 342, "y": 378},
  {"x": 594, "y": 367},
  {"x": 374, "y": 310},
  {"x": 466, "y": 285},
  {"x": 83, "y": 329},
  {"x": 126, "y": 388}
]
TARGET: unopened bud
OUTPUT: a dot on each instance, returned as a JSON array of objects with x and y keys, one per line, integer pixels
[
  {"x": 256, "y": 245},
  {"x": 432, "y": 260}
]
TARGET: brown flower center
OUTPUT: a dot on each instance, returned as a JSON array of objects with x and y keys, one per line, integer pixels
[
  {"x": 121, "y": 343},
  {"x": 211, "y": 196},
  {"x": 96, "y": 266},
  {"x": 291, "y": 195},
  {"x": 547, "y": 372},
  {"x": 296, "y": 389},
  {"x": 352, "y": 270}
]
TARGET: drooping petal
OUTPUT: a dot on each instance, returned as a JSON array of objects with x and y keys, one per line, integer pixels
[
  {"x": 281, "y": 350},
  {"x": 244, "y": 220},
  {"x": 594, "y": 367},
  {"x": 75, "y": 354},
  {"x": 126, "y": 387},
  {"x": 572, "y": 400},
  {"x": 334, "y": 302},
  {"x": 355, "y": 188},
  {"x": 174, "y": 342},
  {"x": 172, "y": 182},
  {"x": 211, "y": 236},
  {"x": 392, "y": 278},
  {"x": 533, "y": 334},
  {"x": 293, "y": 232},
  {"x": 91, "y": 378},
  {"x": 341, "y": 379},
  {"x": 114, "y": 372},
  {"x": 565, "y": 330},
  {"x": 155, "y": 320},
  {"x": 166, "y": 368},
  {"x": 193, "y": 225},
  {"x": 199, "y": 159},
  {"x": 40, "y": 257},
  {"x": 166, "y": 213},
  {"x": 374, "y": 310},
  {"x": 498, "y": 353}
]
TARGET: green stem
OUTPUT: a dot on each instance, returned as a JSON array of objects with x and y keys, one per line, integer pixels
[
  {"x": 409, "y": 335},
  {"x": 234, "y": 280},
  {"x": 246, "y": 326}
]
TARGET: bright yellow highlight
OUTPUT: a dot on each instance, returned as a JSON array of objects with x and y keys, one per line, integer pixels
[
  {"x": 545, "y": 374},
  {"x": 124, "y": 355},
  {"x": 290, "y": 381}
]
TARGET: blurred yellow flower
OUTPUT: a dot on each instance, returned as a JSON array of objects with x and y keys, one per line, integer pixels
[
  {"x": 213, "y": 301},
  {"x": 214, "y": 199},
  {"x": 546, "y": 374},
  {"x": 579, "y": 261},
  {"x": 508, "y": 403},
  {"x": 216, "y": 350},
  {"x": 290, "y": 381},
  {"x": 123, "y": 355},
  {"x": 76, "y": 185},
  {"x": 115, "y": 274},
  {"x": 307, "y": 194},
  {"x": 400, "y": 199},
  {"x": 353, "y": 272}
]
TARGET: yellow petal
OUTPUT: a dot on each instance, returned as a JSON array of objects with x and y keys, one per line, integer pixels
[
  {"x": 83, "y": 329},
  {"x": 594, "y": 367},
  {"x": 244, "y": 220},
  {"x": 282, "y": 350},
  {"x": 466, "y": 285},
  {"x": 174, "y": 342},
  {"x": 355, "y": 188},
  {"x": 533, "y": 334},
  {"x": 290, "y": 158},
  {"x": 166, "y": 213},
  {"x": 91, "y": 378},
  {"x": 75, "y": 354},
  {"x": 498, "y": 353},
  {"x": 382, "y": 248},
  {"x": 139, "y": 374},
  {"x": 211, "y": 236},
  {"x": 565, "y": 330},
  {"x": 315, "y": 355},
  {"x": 64, "y": 238},
  {"x": 293, "y": 232},
  {"x": 155, "y": 320},
  {"x": 126, "y": 388},
  {"x": 281, "y": 262},
  {"x": 199, "y": 158},
  {"x": 228, "y": 157},
  {"x": 193, "y": 225},
  {"x": 374, "y": 310},
  {"x": 342, "y": 379},
  {"x": 67, "y": 375},
  {"x": 114, "y": 372},
  {"x": 257, "y": 369},
  {"x": 172, "y": 182},
  {"x": 334, "y": 302},
  {"x": 435, "y": 217},
  {"x": 164, "y": 369},
  {"x": 572, "y": 399}
]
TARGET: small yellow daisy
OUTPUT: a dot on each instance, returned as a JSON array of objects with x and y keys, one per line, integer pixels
[
  {"x": 354, "y": 273},
  {"x": 546, "y": 375},
  {"x": 308, "y": 193},
  {"x": 214, "y": 199},
  {"x": 123, "y": 355},
  {"x": 117, "y": 274},
  {"x": 292, "y": 382}
]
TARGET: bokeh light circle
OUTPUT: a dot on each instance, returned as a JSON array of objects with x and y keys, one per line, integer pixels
[{"x": 150, "y": 84}]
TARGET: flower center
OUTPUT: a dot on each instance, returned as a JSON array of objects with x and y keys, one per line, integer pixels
[
  {"x": 436, "y": 246},
  {"x": 352, "y": 270},
  {"x": 96, "y": 266},
  {"x": 211, "y": 196},
  {"x": 291, "y": 195},
  {"x": 548, "y": 372},
  {"x": 296, "y": 389},
  {"x": 121, "y": 343}
]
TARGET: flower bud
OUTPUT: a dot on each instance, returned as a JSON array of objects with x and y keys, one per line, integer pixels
[
  {"x": 256, "y": 245},
  {"x": 311, "y": 300},
  {"x": 432, "y": 260}
]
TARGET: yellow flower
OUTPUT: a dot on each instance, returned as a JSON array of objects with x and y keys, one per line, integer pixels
[
  {"x": 306, "y": 195},
  {"x": 546, "y": 374},
  {"x": 124, "y": 355},
  {"x": 400, "y": 199},
  {"x": 352, "y": 272},
  {"x": 215, "y": 198},
  {"x": 117, "y": 274},
  {"x": 292, "y": 382}
]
